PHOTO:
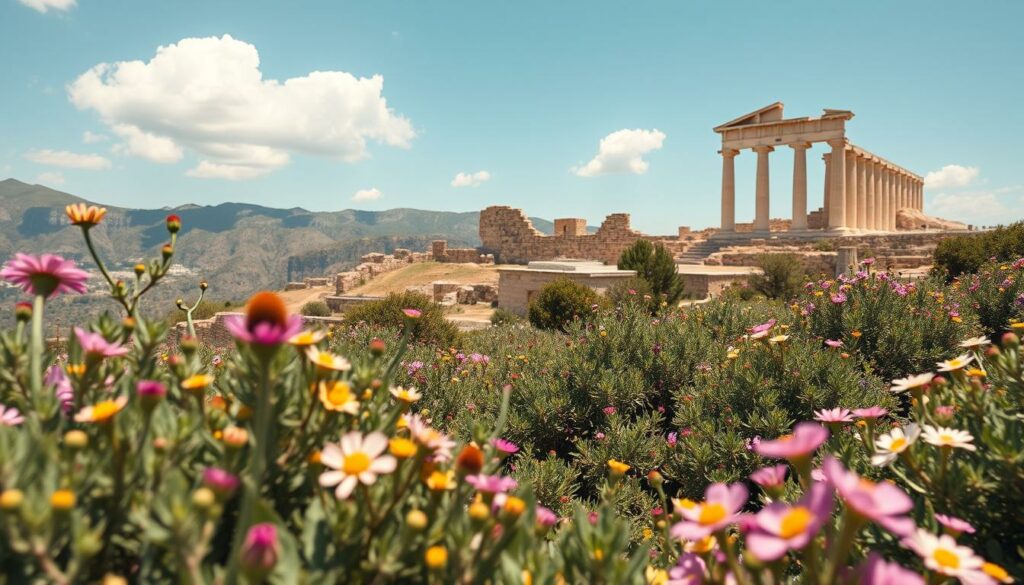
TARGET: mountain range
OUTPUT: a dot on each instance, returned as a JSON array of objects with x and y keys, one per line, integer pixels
[{"x": 238, "y": 248}]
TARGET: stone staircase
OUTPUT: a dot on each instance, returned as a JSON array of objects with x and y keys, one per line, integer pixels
[{"x": 697, "y": 253}]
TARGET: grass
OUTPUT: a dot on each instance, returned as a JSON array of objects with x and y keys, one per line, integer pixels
[{"x": 424, "y": 273}]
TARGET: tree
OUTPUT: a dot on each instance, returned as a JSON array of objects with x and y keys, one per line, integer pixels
[
  {"x": 656, "y": 266},
  {"x": 561, "y": 301}
]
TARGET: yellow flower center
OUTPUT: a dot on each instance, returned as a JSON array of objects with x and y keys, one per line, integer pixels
[
  {"x": 340, "y": 394},
  {"x": 795, "y": 522},
  {"x": 403, "y": 448},
  {"x": 712, "y": 513},
  {"x": 304, "y": 338},
  {"x": 356, "y": 463},
  {"x": 898, "y": 444},
  {"x": 946, "y": 439},
  {"x": 946, "y": 559},
  {"x": 325, "y": 359},
  {"x": 104, "y": 410}
]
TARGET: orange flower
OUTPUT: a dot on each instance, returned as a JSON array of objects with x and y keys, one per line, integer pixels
[
  {"x": 101, "y": 412},
  {"x": 85, "y": 216},
  {"x": 471, "y": 459},
  {"x": 196, "y": 383}
]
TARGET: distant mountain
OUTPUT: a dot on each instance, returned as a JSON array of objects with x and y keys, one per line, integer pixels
[{"x": 237, "y": 247}]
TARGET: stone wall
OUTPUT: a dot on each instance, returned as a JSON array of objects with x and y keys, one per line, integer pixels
[
  {"x": 516, "y": 287},
  {"x": 509, "y": 235},
  {"x": 341, "y": 303},
  {"x": 442, "y": 253},
  {"x": 373, "y": 265},
  {"x": 463, "y": 294}
]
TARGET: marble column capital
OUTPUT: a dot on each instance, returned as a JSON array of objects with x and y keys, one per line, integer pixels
[
  {"x": 800, "y": 145},
  {"x": 763, "y": 149},
  {"x": 728, "y": 152},
  {"x": 837, "y": 143}
]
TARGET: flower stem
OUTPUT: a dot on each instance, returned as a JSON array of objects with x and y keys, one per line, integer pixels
[{"x": 36, "y": 349}]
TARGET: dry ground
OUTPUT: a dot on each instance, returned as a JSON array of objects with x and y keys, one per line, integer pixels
[{"x": 425, "y": 273}]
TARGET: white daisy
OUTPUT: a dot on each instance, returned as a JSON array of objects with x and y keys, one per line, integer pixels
[
  {"x": 327, "y": 360},
  {"x": 910, "y": 382},
  {"x": 943, "y": 555},
  {"x": 357, "y": 459},
  {"x": 975, "y": 342},
  {"x": 947, "y": 437},
  {"x": 431, "y": 438},
  {"x": 957, "y": 363},
  {"x": 890, "y": 445},
  {"x": 406, "y": 395}
]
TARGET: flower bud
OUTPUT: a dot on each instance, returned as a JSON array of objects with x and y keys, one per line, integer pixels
[
  {"x": 235, "y": 437},
  {"x": 655, "y": 478},
  {"x": 513, "y": 508},
  {"x": 417, "y": 520},
  {"x": 377, "y": 346},
  {"x": 188, "y": 345},
  {"x": 992, "y": 351},
  {"x": 479, "y": 511},
  {"x": 180, "y": 303},
  {"x": 151, "y": 393},
  {"x": 76, "y": 439},
  {"x": 167, "y": 251},
  {"x": 11, "y": 500},
  {"x": 173, "y": 223},
  {"x": 140, "y": 269},
  {"x": 23, "y": 311},
  {"x": 222, "y": 482},
  {"x": 470, "y": 459},
  {"x": 436, "y": 557},
  {"x": 120, "y": 289},
  {"x": 203, "y": 285},
  {"x": 259, "y": 551},
  {"x": 160, "y": 444},
  {"x": 1010, "y": 340},
  {"x": 204, "y": 498},
  {"x": 128, "y": 324},
  {"x": 112, "y": 579},
  {"x": 62, "y": 500}
]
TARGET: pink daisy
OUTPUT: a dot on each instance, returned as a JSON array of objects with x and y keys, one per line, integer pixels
[
  {"x": 954, "y": 525},
  {"x": 877, "y": 571},
  {"x": 10, "y": 416},
  {"x": 781, "y": 527},
  {"x": 883, "y": 503},
  {"x": 45, "y": 275},
  {"x": 804, "y": 441},
  {"x": 719, "y": 509},
  {"x": 834, "y": 415},
  {"x": 770, "y": 477},
  {"x": 491, "y": 484},
  {"x": 505, "y": 447},
  {"x": 96, "y": 346},
  {"x": 871, "y": 412}
]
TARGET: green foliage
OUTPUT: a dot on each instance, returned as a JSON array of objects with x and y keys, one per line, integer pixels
[
  {"x": 654, "y": 264},
  {"x": 315, "y": 309},
  {"x": 962, "y": 254},
  {"x": 781, "y": 278},
  {"x": 387, "y": 312},
  {"x": 560, "y": 302},
  {"x": 504, "y": 317},
  {"x": 995, "y": 294}
]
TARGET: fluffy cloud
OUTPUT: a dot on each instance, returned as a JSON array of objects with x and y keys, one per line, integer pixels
[
  {"x": 622, "y": 152},
  {"x": 951, "y": 176},
  {"x": 93, "y": 138},
  {"x": 977, "y": 207},
  {"x": 72, "y": 160},
  {"x": 367, "y": 195},
  {"x": 50, "y": 179},
  {"x": 45, "y": 5},
  {"x": 208, "y": 95},
  {"x": 471, "y": 179}
]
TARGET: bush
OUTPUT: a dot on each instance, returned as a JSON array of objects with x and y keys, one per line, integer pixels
[
  {"x": 654, "y": 264},
  {"x": 504, "y": 317},
  {"x": 388, "y": 312},
  {"x": 634, "y": 291},
  {"x": 783, "y": 274},
  {"x": 560, "y": 302},
  {"x": 995, "y": 294},
  {"x": 962, "y": 254},
  {"x": 315, "y": 309}
]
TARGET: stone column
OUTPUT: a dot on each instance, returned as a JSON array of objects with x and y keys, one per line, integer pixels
[
  {"x": 851, "y": 189},
  {"x": 879, "y": 210},
  {"x": 871, "y": 210},
  {"x": 728, "y": 189},
  {"x": 837, "y": 191},
  {"x": 920, "y": 196},
  {"x": 901, "y": 192},
  {"x": 827, "y": 158},
  {"x": 886, "y": 193},
  {"x": 890, "y": 201},
  {"x": 761, "y": 196},
  {"x": 799, "y": 185},
  {"x": 863, "y": 220}
]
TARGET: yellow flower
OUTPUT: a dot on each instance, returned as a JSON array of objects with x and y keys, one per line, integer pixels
[
  {"x": 307, "y": 338},
  {"x": 617, "y": 467},
  {"x": 440, "y": 481},
  {"x": 402, "y": 448},
  {"x": 77, "y": 370},
  {"x": 996, "y": 572},
  {"x": 655, "y": 576},
  {"x": 85, "y": 216},
  {"x": 11, "y": 499},
  {"x": 62, "y": 500},
  {"x": 855, "y": 334},
  {"x": 101, "y": 412},
  {"x": 514, "y": 506},
  {"x": 604, "y": 333},
  {"x": 338, "y": 397},
  {"x": 647, "y": 533},
  {"x": 196, "y": 383},
  {"x": 976, "y": 372},
  {"x": 436, "y": 557},
  {"x": 479, "y": 511},
  {"x": 1017, "y": 326},
  {"x": 406, "y": 395},
  {"x": 701, "y": 546},
  {"x": 326, "y": 360}
]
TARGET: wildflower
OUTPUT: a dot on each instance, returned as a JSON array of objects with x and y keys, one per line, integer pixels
[
  {"x": 406, "y": 395},
  {"x": 876, "y": 571},
  {"x": 439, "y": 443},
  {"x": 882, "y": 503},
  {"x": 870, "y": 413},
  {"x": 993, "y": 572},
  {"x": 617, "y": 467},
  {"x": 325, "y": 360},
  {"x": 150, "y": 392},
  {"x": 235, "y": 437},
  {"x": 85, "y": 216},
  {"x": 416, "y": 519},
  {"x": 196, "y": 383},
  {"x": 96, "y": 346},
  {"x": 720, "y": 507},
  {"x": 504, "y": 447},
  {"x": 835, "y": 415},
  {"x": 954, "y": 525},
  {"x": 401, "y": 448},
  {"x": 260, "y": 550},
  {"x": 763, "y": 327},
  {"x": 306, "y": 338},
  {"x": 837, "y": 298},
  {"x": 440, "y": 481},
  {"x": 10, "y": 416},
  {"x": 778, "y": 339},
  {"x": 513, "y": 507},
  {"x": 62, "y": 500},
  {"x": 911, "y": 383},
  {"x": 652, "y": 575},
  {"x": 834, "y": 343},
  {"x": 338, "y": 397},
  {"x": 45, "y": 275},
  {"x": 942, "y": 554},
  {"x": 891, "y": 444},
  {"x": 173, "y": 223},
  {"x": 804, "y": 441},
  {"x": 220, "y": 481},
  {"x": 545, "y": 517},
  {"x": 470, "y": 459},
  {"x": 949, "y": 438},
  {"x": 11, "y": 499},
  {"x": 689, "y": 570},
  {"x": 781, "y": 527},
  {"x": 492, "y": 484},
  {"x": 770, "y": 477},
  {"x": 672, "y": 439},
  {"x": 76, "y": 439},
  {"x": 975, "y": 342},
  {"x": 266, "y": 321},
  {"x": 956, "y": 363},
  {"x": 609, "y": 410},
  {"x": 101, "y": 412},
  {"x": 412, "y": 313},
  {"x": 356, "y": 459},
  {"x": 436, "y": 557}
]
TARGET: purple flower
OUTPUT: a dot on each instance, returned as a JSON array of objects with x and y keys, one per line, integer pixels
[
  {"x": 266, "y": 321},
  {"x": 868, "y": 261},
  {"x": 62, "y": 389},
  {"x": 763, "y": 326},
  {"x": 222, "y": 482},
  {"x": 96, "y": 346},
  {"x": 834, "y": 415},
  {"x": 838, "y": 298},
  {"x": 545, "y": 517},
  {"x": 491, "y": 484},
  {"x": 781, "y": 527},
  {"x": 804, "y": 441},
  {"x": 876, "y": 571},
  {"x": 45, "y": 275},
  {"x": 413, "y": 313},
  {"x": 414, "y": 367},
  {"x": 505, "y": 447},
  {"x": 770, "y": 477},
  {"x": 260, "y": 550},
  {"x": 672, "y": 439},
  {"x": 954, "y": 525},
  {"x": 10, "y": 416},
  {"x": 599, "y": 436},
  {"x": 689, "y": 570},
  {"x": 834, "y": 343},
  {"x": 150, "y": 392}
]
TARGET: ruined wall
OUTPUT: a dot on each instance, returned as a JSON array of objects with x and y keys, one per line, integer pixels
[
  {"x": 516, "y": 287},
  {"x": 509, "y": 235},
  {"x": 442, "y": 253},
  {"x": 375, "y": 264}
]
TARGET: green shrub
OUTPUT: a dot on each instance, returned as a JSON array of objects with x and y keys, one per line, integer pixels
[
  {"x": 995, "y": 294},
  {"x": 387, "y": 312},
  {"x": 560, "y": 302},
  {"x": 961, "y": 254},
  {"x": 654, "y": 264},
  {"x": 634, "y": 291},
  {"x": 315, "y": 309},
  {"x": 782, "y": 276},
  {"x": 504, "y": 317}
]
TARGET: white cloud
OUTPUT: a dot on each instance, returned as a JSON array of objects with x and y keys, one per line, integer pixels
[
  {"x": 63, "y": 158},
  {"x": 471, "y": 179},
  {"x": 50, "y": 179},
  {"x": 93, "y": 138},
  {"x": 951, "y": 176},
  {"x": 208, "y": 95},
  {"x": 622, "y": 152},
  {"x": 986, "y": 207},
  {"x": 367, "y": 195},
  {"x": 44, "y": 5}
]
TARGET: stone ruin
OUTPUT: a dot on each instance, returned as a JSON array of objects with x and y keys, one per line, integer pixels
[{"x": 373, "y": 265}]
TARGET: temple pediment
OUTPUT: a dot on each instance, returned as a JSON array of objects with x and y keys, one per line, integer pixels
[{"x": 769, "y": 113}]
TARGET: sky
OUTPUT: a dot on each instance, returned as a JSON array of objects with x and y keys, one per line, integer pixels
[{"x": 564, "y": 109}]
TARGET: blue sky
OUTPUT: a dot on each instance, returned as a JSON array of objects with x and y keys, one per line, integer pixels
[{"x": 515, "y": 95}]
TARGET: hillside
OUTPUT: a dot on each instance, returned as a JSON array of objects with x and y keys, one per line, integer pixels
[{"x": 238, "y": 248}]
